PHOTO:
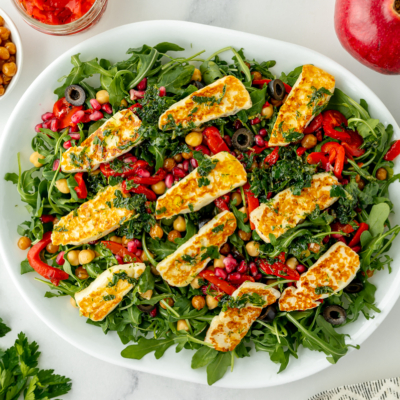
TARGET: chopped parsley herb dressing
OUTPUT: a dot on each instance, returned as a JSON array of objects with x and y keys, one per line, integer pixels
[
  {"x": 241, "y": 301},
  {"x": 210, "y": 101}
]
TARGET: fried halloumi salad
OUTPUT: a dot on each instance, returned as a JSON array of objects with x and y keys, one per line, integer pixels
[{"x": 209, "y": 204}]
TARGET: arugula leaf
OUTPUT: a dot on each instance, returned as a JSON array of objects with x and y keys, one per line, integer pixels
[
  {"x": 210, "y": 72},
  {"x": 203, "y": 356},
  {"x": 146, "y": 280},
  {"x": 4, "y": 329},
  {"x": 146, "y": 346},
  {"x": 176, "y": 78},
  {"x": 258, "y": 99},
  {"x": 377, "y": 218},
  {"x": 217, "y": 368},
  {"x": 292, "y": 76}
]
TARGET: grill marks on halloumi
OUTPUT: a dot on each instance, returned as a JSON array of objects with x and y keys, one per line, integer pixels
[
  {"x": 229, "y": 327},
  {"x": 181, "y": 267},
  {"x": 102, "y": 295},
  {"x": 114, "y": 138},
  {"x": 300, "y": 106},
  {"x": 187, "y": 196},
  {"x": 286, "y": 210},
  {"x": 336, "y": 269},
  {"x": 92, "y": 220},
  {"x": 227, "y": 97}
]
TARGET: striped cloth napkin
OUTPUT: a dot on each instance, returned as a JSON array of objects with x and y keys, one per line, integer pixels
[{"x": 384, "y": 389}]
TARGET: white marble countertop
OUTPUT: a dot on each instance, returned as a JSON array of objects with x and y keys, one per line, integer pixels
[{"x": 305, "y": 22}]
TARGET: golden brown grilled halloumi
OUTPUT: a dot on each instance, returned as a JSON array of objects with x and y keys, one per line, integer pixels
[
  {"x": 115, "y": 137},
  {"x": 92, "y": 220},
  {"x": 335, "y": 270},
  {"x": 305, "y": 100},
  {"x": 224, "y": 97},
  {"x": 181, "y": 267},
  {"x": 107, "y": 290},
  {"x": 286, "y": 210},
  {"x": 186, "y": 196},
  {"x": 229, "y": 327}
]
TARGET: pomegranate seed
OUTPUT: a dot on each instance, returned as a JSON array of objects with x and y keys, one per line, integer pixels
[
  {"x": 60, "y": 258},
  {"x": 169, "y": 180},
  {"x": 238, "y": 124},
  {"x": 67, "y": 144},
  {"x": 138, "y": 253},
  {"x": 203, "y": 149},
  {"x": 204, "y": 289},
  {"x": 180, "y": 165},
  {"x": 96, "y": 115},
  {"x": 230, "y": 264},
  {"x": 131, "y": 246},
  {"x": 95, "y": 104},
  {"x": 143, "y": 173},
  {"x": 153, "y": 312},
  {"x": 78, "y": 117},
  {"x": 242, "y": 268},
  {"x": 320, "y": 300},
  {"x": 262, "y": 132},
  {"x": 259, "y": 141},
  {"x": 253, "y": 269},
  {"x": 178, "y": 173},
  {"x": 255, "y": 121},
  {"x": 136, "y": 94},
  {"x": 93, "y": 242},
  {"x": 301, "y": 269},
  {"x": 106, "y": 107},
  {"x": 119, "y": 259},
  {"x": 142, "y": 84},
  {"x": 228, "y": 140},
  {"x": 47, "y": 124},
  {"x": 239, "y": 157},
  {"x": 47, "y": 116},
  {"x": 56, "y": 163},
  {"x": 235, "y": 277},
  {"x": 75, "y": 136},
  {"x": 258, "y": 276},
  {"x": 73, "y": 129},
  {"x": 54, "y": 124},
  {"x": 162, "y": 92},
  {"x": 220, "y": 273},
  {"x": 38, "y": 127},
  {"x": 194, "y": 163},
  {"x": 185, "y": 165},
  {"x": 138, "y": 243},
  {"x": 130, "y": 160}
]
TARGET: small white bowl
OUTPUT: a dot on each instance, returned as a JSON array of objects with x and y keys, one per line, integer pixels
[{"x": 16, "y": 39}]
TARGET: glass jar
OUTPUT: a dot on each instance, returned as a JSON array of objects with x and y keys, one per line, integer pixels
[{"x": 80, "y": 25}]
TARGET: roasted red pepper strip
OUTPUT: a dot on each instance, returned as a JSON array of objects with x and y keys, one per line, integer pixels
[
  {"x": 352, "y": 146},
  {"x": 158, "y": 177},
  {"x": 221, "y": 204},
  {"x": 278, "y": 269},
  {"x": 131, "y": 169},
  {"x": 300, "y": 151},
  {"x": 393, "y": 152},
  {"x": 262, "y": 81},
  {"x": 352, "y": 151},
  {"x": 140, "y": 190},
  {"x": 53, "y": 274},
  {"x": 47, "y": 218},
  {"x": 356, "y": 238},
  {"x": 80, "y": 190},
  {"x": 339, "y": 157},
  {"x": 346, "y": 228},
  {"x": 219, "y": 283},
  {"x": 273, "y": 157},
  {"x": 214, "y": 141},
  {"x": 252, "y": 202},
  {"x": 257, "y": 149},
  {"x": 334, "y": 119},
  {"x": 64, "y": 111},
  {"x": 318, "y": 157},
  {"x": 314, "y": 125},
  {"x": 119, "y": 250}
]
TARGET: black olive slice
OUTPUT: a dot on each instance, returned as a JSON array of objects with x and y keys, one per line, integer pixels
[
  {"x": 354, "y": 287},
  {"x": 147, "y": 308},
  {"x": 335, "y": 315},
  {"x": 236, "y": 254},
  {"x": 242, "y": 139},
  {"x": 276, "y": 89},
  {"x": 75, "y": 95},
  {"x": 203, "y": 221},
  {"x": 198, "y": 84},
  {"x": 268, "y": 314}
]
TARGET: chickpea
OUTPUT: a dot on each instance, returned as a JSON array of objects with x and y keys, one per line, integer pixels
[
  {"x": 246, "y": 236},
  {"x": 247, "y": 64},
  {"x": 73, "y": 257},
  {"x": 51, "y": 248},
  {"x": 73, "y": 302},
  {"x": 34, "y": 159},
  {"x": 86, "y": 256},
  {"x": 156, "y": 232},
  {"x": 4, "y": 33},
  {"x": 182, "y": 325},
  {"x": 147, "y": 294},
  {"x": 169, "y": 301},
  {"x": 124, "y": 103},
  {"x": 1, "y": 21},
  {"x": 116, "y": 239},
  {"x": 159, "y": 187},
  {"x": 198, "y": 302},
  {"x": 305, "y": 253},
  {"x": 370, "y": 273},
  {"x": 9, "y": 69},
  {"x": 169, "y": 164},
  {"x": 178, "y": 157},
  {"x": 1, "y": 80},
  {"x": 244, "y": 211},
  {"x": 62, "y": 186},
  {"x": 211, "y": 302},
  {"x": 24, "y": 242},
  {"x": 267, "y": 112},
  {"x": 194, "y": 139},
  {"x": 236, "y": 196},
  {"x": 144, "y": 256},
  {"x": 81, "y": 273},
  {"x": 4, "y": 53},
  {"x": 180, "y": 224},
  {"x": 276, "y": 103},
  {"x": 195, "y": 283},
  {"x": 361, "y": 184},
  {"x": 125, "y": 241},
  {"x": 219, "y": 262},
  {"x": 187, "y": 156},
  {"x": 309, "y": 141},
  {"x": 11, "y": 59},
  {"x": 102, "y": 96},
  {"x": 225, "y": 249},
  {"x": 256, "y": 75},
  {"x": 196, "y": 75},
  {"x": 253, "y": 248},
  {"x": 2, "y": 90},
  {"x": 10, "y": 46},
  {"x": 381, "y": 174},
  {"x": 6, "y": 79},
  {"x": 314, "y": 247},
  {"x": 174, "y": 235},
  {"x": 292, "y": 263}
]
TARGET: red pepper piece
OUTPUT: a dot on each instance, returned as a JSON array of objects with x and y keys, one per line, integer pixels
[
  {"x": 338, "y": 227},
  {"x": 47, "y": 218},
  {"x": 334, "y": 119},
  {"x": 137, "y": 105},
  {"x": 356, "y": 249},
  {"x": 244, "y": 278},
  {"x": 356, "y": 238},
  {"x": 319, "y": 135},
  {"x": 214, "y": 141},
  {"x": 318, "y": 157},
  {"x": 158, "y": 177},
  {"x": 314, "y": 125},
  {"x": 339, "y": 156},
  {"x": 282, "y": 257},
  {"x": 278, "y": 269},
  {"x": 300, "y": 151},
  {"x": 252, "y": 202},
  {"x": 55, "y": 275},
  {"x": 273, "y": 157},
  {"x": 151, "y": 196},
  {"x": 262, "y": 81},
  {"x": 219, "y": 283},
  {"x": 393, "y": 152},
  {"x": 130, "y": 170},
  {"x": 351, "y": 146},
  {"x": 64, "y": 111},
  {"x": 119, "y": 250},
  {"x": 81, "y": 189},
  {"x": 221, "y": 204}
]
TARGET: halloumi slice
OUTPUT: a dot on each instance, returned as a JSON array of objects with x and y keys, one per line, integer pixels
[
  {"x": 186, "y": 196},
  {"x": 229, "y": 327},
  {"x": 107, "y": 290},
  {"x": 182, "y": 266},
  {"x": 115, "y": 137},
  {"x": 286, "y": 210},
  {"x": 92, "y": 220},
  {"x": 335, "y": 269},
  {"x": 226, "y": 96},
  {"x": 302, "y": 104}
]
